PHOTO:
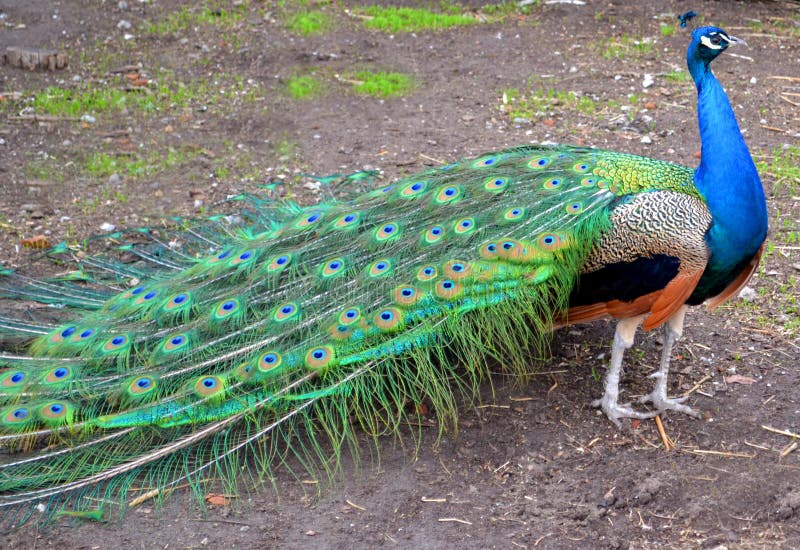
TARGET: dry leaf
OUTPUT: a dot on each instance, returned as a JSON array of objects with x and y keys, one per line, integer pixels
[
  {"x": 739, "y": 379},
  {"x": 38, "y": 242},
  {"x": 218, "y": 500}
]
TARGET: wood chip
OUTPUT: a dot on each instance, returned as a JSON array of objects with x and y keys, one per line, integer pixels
[
  {"x": 787, "y": 433},
  {"x": 727, "y": 454},
  {"x": 356, "y": 506},
  {"x": 456, "y": 520}
]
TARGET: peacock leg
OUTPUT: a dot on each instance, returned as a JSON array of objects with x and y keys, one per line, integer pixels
[
  {"x": 623, "y": 339},
  {"x": 673, "y": 329}
]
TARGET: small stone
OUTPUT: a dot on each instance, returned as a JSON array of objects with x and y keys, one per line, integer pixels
[
  {"x": 122, "y": 5},
  {"x": 66, "y": 143},
  {"x": 107, "y": 227},
  {"x": 114, "y": 179},
  {"x": 648, "y": 80},
  {"x": 76, "y": 78},
  {"x": 124, "y": 25},
  {"x": 748, "y": 294},
  {"x": 753, "y": 80},
  {"x": 89, "y": 119},
  {"x": 646, "y": 140}
]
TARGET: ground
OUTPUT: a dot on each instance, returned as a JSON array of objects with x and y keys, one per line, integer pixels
[{"x": 533, "y": 465}]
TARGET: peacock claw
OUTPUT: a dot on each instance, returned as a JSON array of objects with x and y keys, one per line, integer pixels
[
  {"x": 615, "y": 411},
  {"x": 663, "y": 403}
]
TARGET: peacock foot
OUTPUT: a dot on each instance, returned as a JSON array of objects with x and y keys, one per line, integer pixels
[
  {"x": 616, "y": 411},
  {"x": 663, "y": 403}
]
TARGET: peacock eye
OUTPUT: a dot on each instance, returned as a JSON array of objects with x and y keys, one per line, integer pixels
[{"x": 716, "y": 40}]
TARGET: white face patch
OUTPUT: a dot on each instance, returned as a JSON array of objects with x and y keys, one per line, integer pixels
[{"x": 707, "y": 43}]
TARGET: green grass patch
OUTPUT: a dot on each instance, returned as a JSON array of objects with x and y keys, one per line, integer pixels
[
  {"x": 220, "y": 15},
  {"x": 304, "y": 87},
  {"x": 103, "y": 165},
  {"x": 226, "y": 91},
  {"x": 381, "y": 84},
  {"x": 677, "y": 76},
  {"x": 393, "y": 19},
  {"x": 784, "y": 168},
  {"x": 626, "y": 47},
  {"x": 307, "y": 23},
  {"x": 667, "y": 30}
]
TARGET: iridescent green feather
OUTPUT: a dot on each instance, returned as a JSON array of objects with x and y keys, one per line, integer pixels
[{"x": 282, "y": 319}]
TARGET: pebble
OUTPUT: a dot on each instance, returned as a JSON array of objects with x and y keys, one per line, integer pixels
[
  {"x": 648, "y": 80},
  {"x": 114, "y": 179},
  {"x": 122, "y": 5},
  {"x": 748, "y": 294},
  {"x": 124, "y": 25},
  {"x": 89, "y": 119},
  {"x": 646, "y": 140},
  {"x": 107, "y": 227},
  {"x": 66, "y": 143}
]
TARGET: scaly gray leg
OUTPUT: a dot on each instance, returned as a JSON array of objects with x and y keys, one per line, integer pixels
[
  {"x": 623, "y": 339},
  {"x": 673, "y": 329}
]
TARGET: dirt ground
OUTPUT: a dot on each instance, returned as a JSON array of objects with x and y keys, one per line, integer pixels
[{"x": 536, "y": 466}]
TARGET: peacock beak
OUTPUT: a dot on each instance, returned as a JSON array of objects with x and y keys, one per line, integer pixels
[{"x": 733, "y": 41}]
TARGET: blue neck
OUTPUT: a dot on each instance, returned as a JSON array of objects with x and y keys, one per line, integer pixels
[{"x": 727, "y": 176}]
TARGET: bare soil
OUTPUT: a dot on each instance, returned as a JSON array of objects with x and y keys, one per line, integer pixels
[{"x": 535, "y": 465}]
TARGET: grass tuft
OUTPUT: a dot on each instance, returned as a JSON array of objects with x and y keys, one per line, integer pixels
[
  {"x": 783, "y": 168},
  {"x": 308, "y": 23},
  {"x": 381, "y": 84},
  {"x": 393, "y": 19},
  {"x": 304, "y": 87}
]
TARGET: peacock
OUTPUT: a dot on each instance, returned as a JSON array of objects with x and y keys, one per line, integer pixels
[{"x": 228, "y": 346}]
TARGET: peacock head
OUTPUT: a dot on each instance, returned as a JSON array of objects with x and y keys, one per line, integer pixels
[{"x": 709, "y": 42}]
